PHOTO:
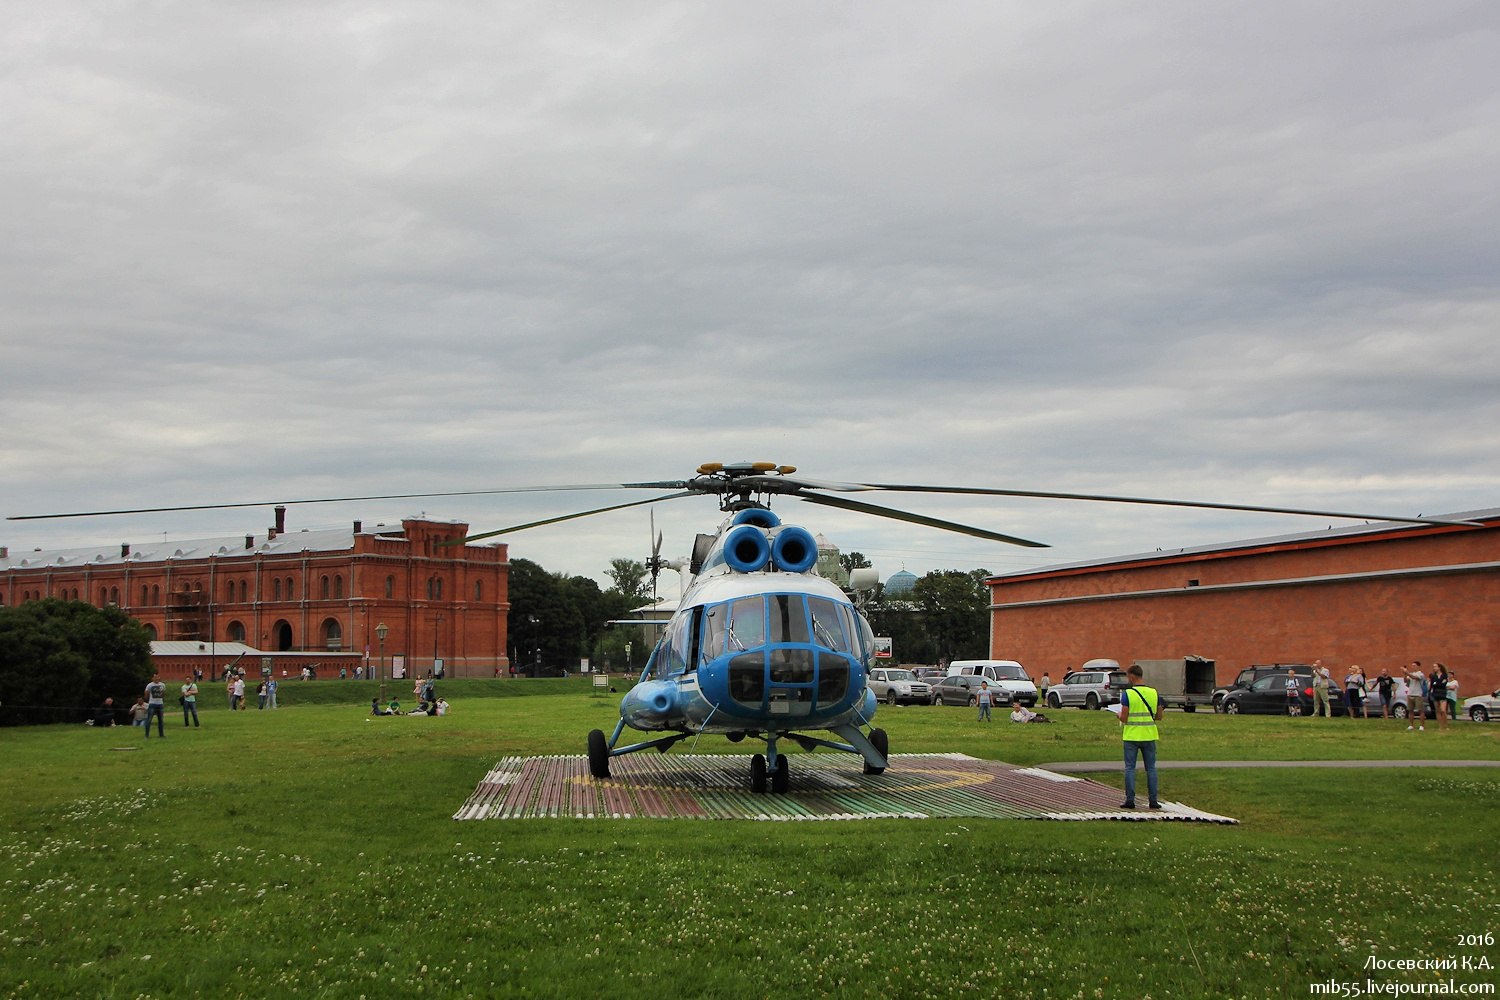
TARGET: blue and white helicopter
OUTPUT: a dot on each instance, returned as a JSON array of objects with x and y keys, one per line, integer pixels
[{"x": 761, "y": 646}]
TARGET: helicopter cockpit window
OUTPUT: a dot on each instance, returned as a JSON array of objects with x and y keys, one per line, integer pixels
[
  {"x": 746, "y": 627},
  {"x": 829, "y": 625},
  {"x": 788, "y": 618}
]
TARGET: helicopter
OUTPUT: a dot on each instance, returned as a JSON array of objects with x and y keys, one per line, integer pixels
[{"x": 761, "y": 647}]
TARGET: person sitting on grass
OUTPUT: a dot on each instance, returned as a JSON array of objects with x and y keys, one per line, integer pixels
[{"x": 1023, "y": 714}]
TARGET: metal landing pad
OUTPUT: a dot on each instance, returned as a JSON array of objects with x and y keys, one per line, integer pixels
[{"x": 823, "y": 787}]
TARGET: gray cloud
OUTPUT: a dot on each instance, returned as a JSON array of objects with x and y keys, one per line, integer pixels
[{"x": 1227, "y": 253}]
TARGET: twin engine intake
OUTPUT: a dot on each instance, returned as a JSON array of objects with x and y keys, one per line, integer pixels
[{"x": 758, "y": 539}]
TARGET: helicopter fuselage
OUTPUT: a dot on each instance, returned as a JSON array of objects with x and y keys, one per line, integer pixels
[{"x": 764, "y": 651}]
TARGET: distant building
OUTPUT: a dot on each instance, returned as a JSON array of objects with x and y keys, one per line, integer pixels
[
  {"x": 900, "y": 584},
  {"x": 1378, "y": 595},
  {"x": 829, "y": 566},
  {"x": 299, "y": 592}
]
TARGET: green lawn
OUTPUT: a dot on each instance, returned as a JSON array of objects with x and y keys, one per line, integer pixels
[{"x": 310, "y": 852}]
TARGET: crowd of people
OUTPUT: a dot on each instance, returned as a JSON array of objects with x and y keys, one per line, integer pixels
[{"x": 1413, "y": 685}]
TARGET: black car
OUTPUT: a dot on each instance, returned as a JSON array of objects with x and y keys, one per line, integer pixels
[
  {"x": 962, "y": 689},
  {"x": 1269, "y": 695}
]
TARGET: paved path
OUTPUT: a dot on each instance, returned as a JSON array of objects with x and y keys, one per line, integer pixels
[{"x": 1078, "y": 766}]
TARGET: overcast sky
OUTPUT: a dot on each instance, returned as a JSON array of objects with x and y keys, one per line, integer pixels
[{"x": 1241, "y": 252}]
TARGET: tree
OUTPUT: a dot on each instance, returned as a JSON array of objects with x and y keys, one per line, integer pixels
[
  {"x": 60, "y": 659},
  {"x": 955, "y": 612},
  {"x": 852, "y": 561},
  {"x": 546, "y": 627},
  {"x": 629, "y": 578}
]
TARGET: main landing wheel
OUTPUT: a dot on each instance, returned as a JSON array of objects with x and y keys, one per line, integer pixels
[
  {"x": 758, "y": 774},
  {"x": 879, "y": 740},
  {"x": 598, "y": 754},
  {"x": 782, "y": 776}
]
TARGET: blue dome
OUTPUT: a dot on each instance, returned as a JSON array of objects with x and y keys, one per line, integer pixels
[{"x": 900, "y": 583}]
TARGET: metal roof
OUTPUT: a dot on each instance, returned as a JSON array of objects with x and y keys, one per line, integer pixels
[
  {"x": 227, "y": 547},
  {"x": 1349, "y": 531}
]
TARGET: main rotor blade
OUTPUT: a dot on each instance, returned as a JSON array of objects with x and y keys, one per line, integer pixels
[
  {"x": 1254, "y": 508},
  {"x": 570, "y": 517},
  {"x": 674, "y": 485},
  {"x": 932, "y": 522}
]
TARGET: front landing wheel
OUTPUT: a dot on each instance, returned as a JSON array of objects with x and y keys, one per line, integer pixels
[
  {"x": 598, "y": 754},
  {"x": 880, "y": 742},
  {"x": 758, "y": 774},
  {"x": 782, "y": 776}
]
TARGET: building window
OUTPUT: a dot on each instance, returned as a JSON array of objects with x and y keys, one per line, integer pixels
[
  {"x": 325, "y": 591},
  {"x": 333, "y": 634},
  {"x": 151, "y": 633},
  {"x": 276, "y": 589},
  {"x": 478, "y": 590},
  {"x": 338, "y": 588},
  {"x": 236, "y": 631},
  {"x": 243, "y": 591},
  {"x": 114, "y": 595},
  {"x": 155, "y": 594},
  {"x": 291, "y": 590},
  {"x": 390, "y": 587},
  {"x": 103, "y": 597}
]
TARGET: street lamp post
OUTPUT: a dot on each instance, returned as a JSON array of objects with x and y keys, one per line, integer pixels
[
  {"x": 436, "y": 628},
  {"x": 380, "y": 633}
]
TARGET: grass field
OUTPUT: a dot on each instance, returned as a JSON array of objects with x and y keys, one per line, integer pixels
[{"x": 310, "y": 852}]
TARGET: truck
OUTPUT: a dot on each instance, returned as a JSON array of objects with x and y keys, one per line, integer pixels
[{"x": 1187, "y": 681}]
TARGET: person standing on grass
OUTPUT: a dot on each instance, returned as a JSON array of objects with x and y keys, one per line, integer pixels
[
  {"x": 1139, "y": 712},
  {"x": 1452, "y": 695},
  {"x": 156, "y": 707},
  {"x": 1416, "y": 694},
  {"x": 983, "y": 698},
  {"x": 189, "y": 702},
  {"x": 1437, "y": 691},
  {"x": 1355, "y": 690},
  {"x": 237, "y": 693},
  {"x": 1386, "y": 685},
  {"x": 1320, "y": 682}
]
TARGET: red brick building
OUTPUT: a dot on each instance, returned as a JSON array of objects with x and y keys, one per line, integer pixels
[
  {"x": 321, "y": 591},
  {"x": 1379, "y": 595}
]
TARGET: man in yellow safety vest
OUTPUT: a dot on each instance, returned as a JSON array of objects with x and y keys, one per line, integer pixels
[{"x": 1140, "y": 709}]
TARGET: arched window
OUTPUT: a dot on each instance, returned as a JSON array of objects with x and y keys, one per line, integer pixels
[
  {"x": 151, "y": 633},
  {"x": 478, "y": 590},
  {"x": 338, "y": 588},
  {"x": 103, "y": 597},
  {"x": 236, "y": 631},
  {"x": 114, "y": 595},
  {"x": 228, "y": 591},
  {"x": 243, "y": 591},
  {"x": 439, "y": 589},
  {"x": 390, "y": 587},
  {"x": 155, "y": 593},
  {"x": 333, "y": 634},
  {"x": 145, "y": 593},
  {"x": 325, "y": 589},
  {"x": 276, "y": 589},
  {"x": 291, "y": 590}
]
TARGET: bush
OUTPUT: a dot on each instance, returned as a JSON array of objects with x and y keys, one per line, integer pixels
[{"x": 61, "y": 659}]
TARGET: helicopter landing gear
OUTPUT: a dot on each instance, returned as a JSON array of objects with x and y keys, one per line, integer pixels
[
  {"x": 880, "y": 742},
  {"x": 782, "y": 776},
  {"x": 758, "y": 774},
  {"x": 598, "y": 754}
]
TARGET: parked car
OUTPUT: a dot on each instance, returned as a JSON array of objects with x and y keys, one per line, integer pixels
[
  {"x": 930, "y": 674},
  {"x": 1088, "y": 689},
  {"x": 1483, "y": 708},
  {"x": 898, "y": 686},
  {"x": 1254, "y": 673},
  {"x": 1004, "y": 675},
  {"x": 1268, "y": 696},
  {"x": 963, "y": 689}
]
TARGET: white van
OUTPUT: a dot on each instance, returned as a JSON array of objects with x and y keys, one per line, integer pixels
[{"x": 1006, "y": 675}]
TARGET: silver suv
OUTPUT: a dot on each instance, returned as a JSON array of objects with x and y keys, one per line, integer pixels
[
  {"x": 1088, "y": 689},
  {"x": 895, "y": 686}
]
